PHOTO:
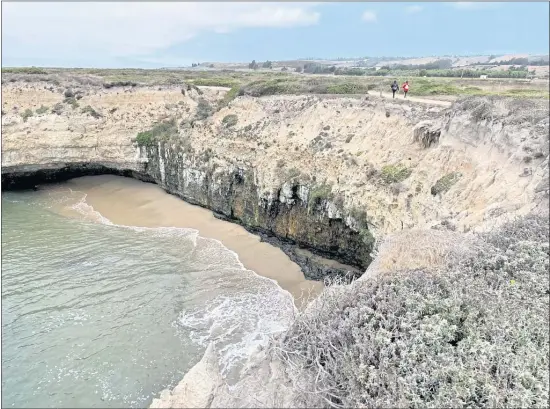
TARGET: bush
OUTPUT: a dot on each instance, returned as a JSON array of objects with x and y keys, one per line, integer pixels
[
  {"x": 445, "y": 183},
  {"x": 214, "y": 82},
  {"x": 26, "y": 115},
  {"x": 145, "y": 138},
  {"x": 230, "y": 120},
  {"x": 71, "y": 101},
  {"x": 42, "y": 110},
  {"x": 233, "y": 93},
  {"x": 472, "y": 333},
  {"x": 319, "y": 193},
  {"x": 57, "y": 108},
  {"x": 298, "y": 69},
  {"x": 204, "y": 109},
  {"x": 68, "y": 93},
  {"x": 114, "y": 84},
  {"x": 395, "y": 173},
  {"x": 24, "y": 70},
  {"x": 160, "y": 132},
  {"x": 344, "y": 88},
  {"x": 90, "y": 111}
]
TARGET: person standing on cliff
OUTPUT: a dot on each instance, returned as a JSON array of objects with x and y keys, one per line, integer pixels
[
  {"x": 405, "y": 87},
  {"x": 394, "y": 88}
]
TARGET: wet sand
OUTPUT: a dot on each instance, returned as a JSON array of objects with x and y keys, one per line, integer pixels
[{"x": 130, "y": 202}]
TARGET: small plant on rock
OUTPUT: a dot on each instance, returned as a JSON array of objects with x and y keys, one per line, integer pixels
[
  {"x": 71, "y": 101},
  {"x": 160, "y": 132},
  {"x": 42, "y": 110},
  {"x": 57, "y": 108},
  {"x": 90, "y": 111},
  {"x": 395, "y": 173},
  {"x": 445, "y": 183},
  {"x": 26, "y": 115},
  {"x": 230, "y": 120},
  {"x": 204, "y": 109},
  {"x": 319, "y": 193}
]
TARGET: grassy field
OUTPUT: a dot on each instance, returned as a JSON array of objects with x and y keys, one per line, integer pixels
[{"x": 263, "y": 82}]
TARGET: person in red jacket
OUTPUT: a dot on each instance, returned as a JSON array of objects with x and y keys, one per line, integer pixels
[{"x": 405, "y": 87}]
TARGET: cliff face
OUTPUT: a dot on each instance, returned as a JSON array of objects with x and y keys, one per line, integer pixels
[
  {"x": 287, "y": 215},
  {"x": 317, "y": 176}
]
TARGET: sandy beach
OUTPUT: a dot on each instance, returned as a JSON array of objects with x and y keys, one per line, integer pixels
[{"x": 130, "y": 202}]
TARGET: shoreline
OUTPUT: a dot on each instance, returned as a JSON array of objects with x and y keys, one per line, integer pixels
[{"x": 131, "y": 202}]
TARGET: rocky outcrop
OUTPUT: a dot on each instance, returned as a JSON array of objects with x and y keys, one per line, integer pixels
[
  {"x": 286, "y": 216},
  {"x": 198, "y": 388}
]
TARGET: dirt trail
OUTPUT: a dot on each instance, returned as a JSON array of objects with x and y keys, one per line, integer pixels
[{"x": 423, "y": 100}]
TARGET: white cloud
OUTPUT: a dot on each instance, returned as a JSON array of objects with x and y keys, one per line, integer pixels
[
  {"x": 473, "y": 5},
  {"x": 369, "y": 16},
  {"x": 134, "y": 29},
  {"x": 414, "y": 9}
]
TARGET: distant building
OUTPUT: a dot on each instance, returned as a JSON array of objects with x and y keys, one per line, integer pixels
[{"x": 483, "y": 77}]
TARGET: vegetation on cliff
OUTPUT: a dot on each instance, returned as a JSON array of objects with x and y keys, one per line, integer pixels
[
  {"x": 473, "y": 332},
  {"x": 160, "y": 131}
]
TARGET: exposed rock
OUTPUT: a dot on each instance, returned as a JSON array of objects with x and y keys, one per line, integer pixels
[
  {"x": 427, "y": 133},
  {"x": 197, "y": 388}
]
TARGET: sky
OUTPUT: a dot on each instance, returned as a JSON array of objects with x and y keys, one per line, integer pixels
[{"x": 170, "y": 34}]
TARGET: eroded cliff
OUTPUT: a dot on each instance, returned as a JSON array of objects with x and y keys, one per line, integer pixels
[{"x": 318, "y": 176}]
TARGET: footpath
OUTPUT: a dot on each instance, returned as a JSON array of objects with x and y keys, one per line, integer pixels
[{"x": 423, "y": 100}]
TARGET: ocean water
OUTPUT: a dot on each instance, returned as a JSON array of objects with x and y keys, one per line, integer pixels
[{"x": 101, "y": 315}]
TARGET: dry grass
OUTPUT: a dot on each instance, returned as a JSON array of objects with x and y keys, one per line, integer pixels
[{"x": 418, "y": 249}]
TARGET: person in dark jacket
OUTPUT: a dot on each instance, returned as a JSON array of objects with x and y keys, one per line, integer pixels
[{"x": 394, "y": 88}]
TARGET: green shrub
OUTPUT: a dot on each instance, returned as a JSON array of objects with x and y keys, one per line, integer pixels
[
  {"x": 319, "y": 193},
  {"x": 230, "y": 120},
  {"x": 472, "y": 333},
  {"x": 26, "y": 115},
  {"x": 71, "y": 101},
  {"x": 294, "y": 173},
  {"x": 233, "y": 93},
  {"x": 90, "y": 111},
  {"x": 395, "y": 173},
  {"x": 445, "y": 183},
  {"x": 366, "y": 237},
  {"x": 215, "y": 82},
  {"x": 344, "y": 88},
  {"x": 160, "y": 132},
  {"x": 204, "y": 109},
  {"x": 24, "y": 70},
  {"x": 57, "y": 108},
  {"x": 360, "y": 216},
  {"x": 114, "y": 84},
  {"x": 145, "y": 138},
  {"x": 42, "y": 110}
]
